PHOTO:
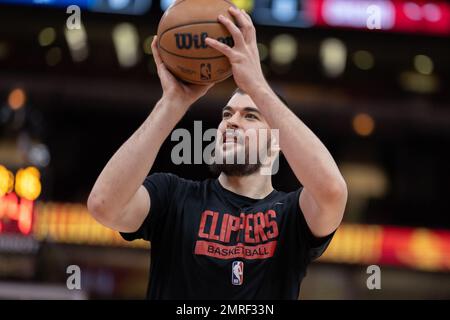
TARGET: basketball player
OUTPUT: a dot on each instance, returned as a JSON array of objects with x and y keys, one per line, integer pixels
[{"x": 234, "y": 237}]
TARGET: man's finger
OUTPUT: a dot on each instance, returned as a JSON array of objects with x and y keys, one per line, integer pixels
[
  {"x": 247, "y": 16},
  {"x": 237, "y": 35},
  {"x": 219, "y": 46},
  {"x": 238, "y": 15},
  {"x": 242, "y": 21},
  {"x": 155, "y": 51},
  {"x": 163, "y": 73}
]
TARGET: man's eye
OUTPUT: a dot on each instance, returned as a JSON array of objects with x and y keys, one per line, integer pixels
[
  {"x": 226, "y": 114},
  {"x": 251, "y": 116}
]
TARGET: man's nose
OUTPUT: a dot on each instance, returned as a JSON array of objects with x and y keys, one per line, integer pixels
[{"x": 233, "y": 121}]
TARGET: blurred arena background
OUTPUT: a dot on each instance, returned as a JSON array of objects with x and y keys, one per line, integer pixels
[{"x": 377, "y": 97}]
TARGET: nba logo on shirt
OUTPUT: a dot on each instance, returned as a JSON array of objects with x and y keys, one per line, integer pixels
[{"x": 237, "y": 273}]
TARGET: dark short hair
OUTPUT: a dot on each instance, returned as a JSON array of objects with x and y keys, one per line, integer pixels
[{"x": 240, "y": 91}]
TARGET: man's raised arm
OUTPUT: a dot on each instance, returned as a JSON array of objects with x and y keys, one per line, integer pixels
[
  {"x": 118, "y": 200},
  {"x": 324, "y": 196}
]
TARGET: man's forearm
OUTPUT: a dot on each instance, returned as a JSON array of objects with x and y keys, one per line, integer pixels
[
  {"x": 127, "y": 169},
  {"x": 309, "y": 159}
]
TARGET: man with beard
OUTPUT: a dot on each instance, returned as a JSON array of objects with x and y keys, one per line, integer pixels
[{"x": 233, "y": 237}]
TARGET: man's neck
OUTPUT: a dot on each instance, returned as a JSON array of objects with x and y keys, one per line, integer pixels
[{"x": 256, "y": 186}]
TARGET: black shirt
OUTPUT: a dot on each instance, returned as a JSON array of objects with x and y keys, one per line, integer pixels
[{"x": 210, "y": 243}]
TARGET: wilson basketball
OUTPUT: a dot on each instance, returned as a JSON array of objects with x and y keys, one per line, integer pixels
[{"x": 181, "y": 34}]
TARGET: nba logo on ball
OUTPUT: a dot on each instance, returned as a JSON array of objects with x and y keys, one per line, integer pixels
[
  {"x": 237, "y": 273},
  {"x": 205, "y": 71}
]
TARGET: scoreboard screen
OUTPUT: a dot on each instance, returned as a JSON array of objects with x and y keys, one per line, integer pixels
[
  {"x": 132, "y": 7},
  {"x": 405, "y": 16},
  {"x": 284, "y": 13}
]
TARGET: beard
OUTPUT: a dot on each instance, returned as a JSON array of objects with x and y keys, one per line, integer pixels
[{"x": 236, "y": 169}]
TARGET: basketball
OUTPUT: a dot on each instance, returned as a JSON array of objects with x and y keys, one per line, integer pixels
[{"x": 181, "y": 33}]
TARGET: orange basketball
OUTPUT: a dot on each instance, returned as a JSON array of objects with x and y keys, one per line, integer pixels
[{"x": 181, "y": 34}]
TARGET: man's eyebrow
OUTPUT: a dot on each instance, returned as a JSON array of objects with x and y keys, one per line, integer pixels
[
  {"x": 251, "y": 109},
  {"x": 227, "y": 108},
  {"x": 246, "y": 109}
]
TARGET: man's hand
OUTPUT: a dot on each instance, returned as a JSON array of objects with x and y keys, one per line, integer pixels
[
  {"x": 173, "y": 89},
  {"x": 244, "y": 56}
]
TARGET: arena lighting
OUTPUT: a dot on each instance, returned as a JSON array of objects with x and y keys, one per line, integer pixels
[
  {"x": 363, "y": 124},
  {"x": 119, "y": 4},
  {"x": 28, "y": 185},
  {"x": 333, "y": 55},
  {"x": 412, "y": 11},
  {"x": 364, "y": 180},
  {"x": 47, "y": 36},
  {"x": 247, "y": 5},
  {"x": 415, "y": 248},
  {"x": 422, "y": 17},
  {"x": 419, "y": 83},
  {"x": 285, "y": 10},
  {"x": 353, "y": 13},
  {"x": 16, "y": 208},
  {"x": 285, "y": 13},
  {"x": 6, "y": 181},
  {"x": 412, "y": 16},
  {"x": 126, "y": 43},
  {"x": 423, "y": 64},
  {"x": 16, "y": 214},
  {"x": 72, "y": 223},
  {"x": 432, "y": 12},
  {"x": 417, "y": 12},
  {"x": 283, "y": 49},
  {"x": 17, "y": 99},
  {"x": 77, "y": 43},
  {"x": 39, "y": 155},
  {"x": 166, "y": 4},
  {"x": 363, "y": 59}
]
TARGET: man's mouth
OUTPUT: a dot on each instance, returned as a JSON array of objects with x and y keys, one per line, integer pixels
[{"x": 229, "y": 137}]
